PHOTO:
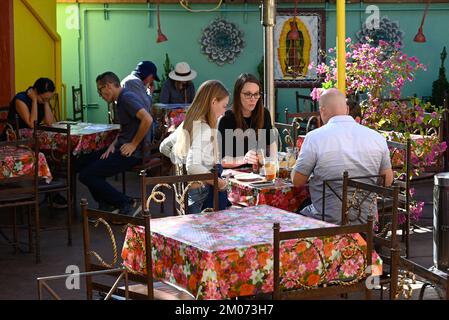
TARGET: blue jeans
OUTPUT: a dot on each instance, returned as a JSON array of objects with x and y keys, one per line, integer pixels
[
  {"x": 93, "y": 172},
  {"x": 196, "y": 199},
  {"x": 223, "y": 202}
]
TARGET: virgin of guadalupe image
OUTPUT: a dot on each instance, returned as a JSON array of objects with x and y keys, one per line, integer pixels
[{"x": 294, "y": 48}]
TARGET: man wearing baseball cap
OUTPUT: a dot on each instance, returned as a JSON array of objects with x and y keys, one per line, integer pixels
[{"x": 141, "y": 81}]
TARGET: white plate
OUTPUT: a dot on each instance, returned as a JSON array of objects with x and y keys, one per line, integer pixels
[{"x": 247, "y": 177}]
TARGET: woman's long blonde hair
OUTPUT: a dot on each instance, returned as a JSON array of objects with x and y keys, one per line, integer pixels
[{"x": 199, "y": 110}]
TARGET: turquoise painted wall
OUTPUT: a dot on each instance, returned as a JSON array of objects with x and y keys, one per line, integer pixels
[{"x": 119, "y": 41}]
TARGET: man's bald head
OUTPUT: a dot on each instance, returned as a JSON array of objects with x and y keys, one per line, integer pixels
[{"x": 332, "y": 103}]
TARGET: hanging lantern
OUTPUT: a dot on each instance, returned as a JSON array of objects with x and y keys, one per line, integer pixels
[
  {"x": 160, "y": 36},
  {"x": 420, "y": 35}
]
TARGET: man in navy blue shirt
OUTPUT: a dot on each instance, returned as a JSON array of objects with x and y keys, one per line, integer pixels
[{"x": 124, "y": 153}]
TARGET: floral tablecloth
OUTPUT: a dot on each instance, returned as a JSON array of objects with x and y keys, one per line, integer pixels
[
  {"x": 172, "y": 114},
  {"x": 229, "y": 253},
  {"x": 175, "y": 118},
  {"x": 16, "y": 162},
  {"x": 282, "y": 194},
  {"x": 85, "y": 137}
]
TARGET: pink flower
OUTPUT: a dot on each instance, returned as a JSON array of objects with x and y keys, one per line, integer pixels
[
  {"x": 212, "y": 292},
  {"x": 250, "y": 254},
  {"x": 349, "y": 268},
  {"x": 224, "y": 288},
  {"x": 234, "y": 278},
  {"x": 267, "y": 285},
  {"x": 316, "y": 93}
]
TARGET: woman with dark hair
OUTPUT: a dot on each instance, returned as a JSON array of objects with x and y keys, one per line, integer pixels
[
  {"x": 239, "y": 147},
  {"x": 33, "y": 104}
]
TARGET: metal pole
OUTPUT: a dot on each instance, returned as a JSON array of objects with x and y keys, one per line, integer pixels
[
  {"x": 268, "y": 22},
  {"x": 341, "y": 45}
]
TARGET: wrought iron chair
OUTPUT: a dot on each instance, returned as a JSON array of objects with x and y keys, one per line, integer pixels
[
  {"x": 333, "y": 185},
  {"x": 54, "y": 106},
  {"x": 146, "y": 288},
  {"x": 307, "y": 121},
  {"x": 42, "y": 282},
  {"x": 112, "y": 113},
  {"x": 151, "y": 160},
  {"x": 23, "y": 191},
  {"x": 307, "y": 103},
  {"x": 400, "y": 154},
  {"x": 78, "y": 105},
  {"x": 325, "y": 287},
  {"x": 385, "y": 237},
  {"x": 432, "y": 277},
  {"x": 61, "y": 167},
  {"x": 8, "y": 131},
  {"x": 287, "y": 134},
  {"x": 180, "y": 185}
]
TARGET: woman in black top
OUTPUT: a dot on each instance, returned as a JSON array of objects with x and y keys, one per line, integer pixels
[
  {"x": 239, "y": 147},
  {"x": 33, "y": 104}
]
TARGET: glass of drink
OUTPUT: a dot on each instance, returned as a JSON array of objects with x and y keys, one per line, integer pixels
[
  {"x": 270, "y": 169},
  {"x": 283, "y": 165},
  {"x": 292, "y": 154}
]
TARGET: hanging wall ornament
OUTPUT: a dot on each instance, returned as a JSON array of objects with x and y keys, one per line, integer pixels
[
  {"x": 387, "y": 30},
  {"x": 160, "y": 36},
  {"x": 222, "y": 41}
]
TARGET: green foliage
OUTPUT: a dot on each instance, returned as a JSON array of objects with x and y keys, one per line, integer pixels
[
  {"x": 441, "y": 85},
  {"x": 168, "y": 67}
]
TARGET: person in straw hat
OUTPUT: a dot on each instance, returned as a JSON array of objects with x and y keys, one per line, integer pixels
[{"x": 179, "y": 87}]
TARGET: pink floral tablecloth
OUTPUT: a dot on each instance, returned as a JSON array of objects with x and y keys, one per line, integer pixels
[
  {"x": 16, "y": 162},
  {"x": 282, "y": 194},
  {"x": 229, "y": 253},
  {"x": 85, "y": 137}
]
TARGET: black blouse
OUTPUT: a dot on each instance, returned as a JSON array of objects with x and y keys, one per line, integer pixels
[
  {"x": 231, "y": 142},
  {"x": 22, "y": 96}
]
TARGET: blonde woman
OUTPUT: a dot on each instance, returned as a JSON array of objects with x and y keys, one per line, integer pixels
[{"x": 196, "y": 142}]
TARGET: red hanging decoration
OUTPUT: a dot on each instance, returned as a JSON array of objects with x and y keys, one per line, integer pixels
[
  {"x": 420, "y": 35},
  {"x": 160, "y": 36}
]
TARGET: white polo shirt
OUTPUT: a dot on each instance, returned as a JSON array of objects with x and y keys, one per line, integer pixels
[{"x": 340, "y": 145}]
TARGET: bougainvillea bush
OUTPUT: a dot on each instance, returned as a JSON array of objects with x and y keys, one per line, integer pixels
[{"x": 376, "y": 75}]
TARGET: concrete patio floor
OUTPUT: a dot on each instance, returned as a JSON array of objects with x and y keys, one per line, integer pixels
[{"x": 19, "y": 271}]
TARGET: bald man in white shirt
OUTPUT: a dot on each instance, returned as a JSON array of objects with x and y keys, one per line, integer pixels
[{"x": 340, "y": 145}]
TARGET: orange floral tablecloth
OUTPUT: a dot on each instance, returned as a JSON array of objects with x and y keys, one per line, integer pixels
[
  {"x": 16, "y": 162},
  {"x": 282, "y": 194},
  {"x": 85, "y": 137},
  {"x": 229, "y": 253}
]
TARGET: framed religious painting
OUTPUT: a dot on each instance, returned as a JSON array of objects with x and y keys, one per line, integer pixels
[{"x": 299, "y": 40}]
